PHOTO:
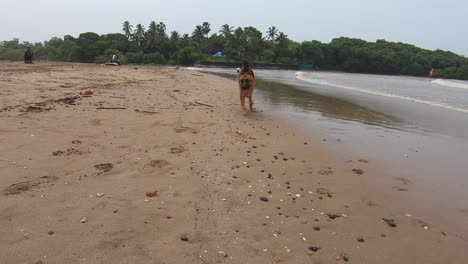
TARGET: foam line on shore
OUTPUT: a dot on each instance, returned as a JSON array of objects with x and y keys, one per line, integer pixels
[
  {"x": 300, "y": 76},
  {"x": 450, "y": 84}
]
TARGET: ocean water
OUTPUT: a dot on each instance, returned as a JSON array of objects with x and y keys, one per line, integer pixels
[{"x": 401, "y": 102}]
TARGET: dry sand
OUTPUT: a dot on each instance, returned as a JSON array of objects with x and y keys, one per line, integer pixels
[{"x": 75, "y": 179}]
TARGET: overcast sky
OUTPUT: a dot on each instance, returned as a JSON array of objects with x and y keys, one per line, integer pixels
[{"x": 429, "y": 24}]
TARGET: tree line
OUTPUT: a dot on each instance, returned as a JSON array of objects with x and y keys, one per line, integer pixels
[{"x": 155, "y": 45}]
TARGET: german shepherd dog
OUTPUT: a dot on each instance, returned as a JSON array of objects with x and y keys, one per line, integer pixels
[{"x": 246, "y": 85}]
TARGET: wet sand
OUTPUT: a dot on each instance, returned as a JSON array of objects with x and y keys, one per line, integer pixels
[{"x": 160, "y": 166}]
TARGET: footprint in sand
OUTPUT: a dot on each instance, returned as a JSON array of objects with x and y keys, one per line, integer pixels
[
  {"x": 104, "y": 167},
  {"x": 400, "y": 189},
  {"x": 95, "y": 122},
  {"x": 325, "y": 172},
  {"x": 323, "y": 191},
  {"x": 358, "y": 171},
  {"x": 420, "y": 223},
  {"x": 404, "y": 181},
  {"x": 20, "y": 187},
  {"x": 67, "y": 152},
  {"x": 158, "y": 163},
  {"x": 186, "y": 129},
  {"x": 177, "y": 150}
]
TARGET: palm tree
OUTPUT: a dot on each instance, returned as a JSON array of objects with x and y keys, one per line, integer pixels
[
  {"x": 281, "y": 40},
  {"x": 174, "y": 41},
  {"x": 272, "y": 33},
  {"x": 281, "y": 44},
  {"x": 226, "y": 31},
  {"x": 127, "y": 29},
  {"x": 175, "y": 36},
  {"x": 139, "y": 35},
  {"x": 206, "y": 28},
  {"x": 161, "y": 31},
  {"x": 151, "y": 36},
  {"x": 152, "y": 27},
  {"x": 162, "y": 40},
  {"x": 197, "y": 33}
]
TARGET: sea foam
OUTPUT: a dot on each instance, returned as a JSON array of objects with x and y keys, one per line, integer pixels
[{"x": 301, "y": 76}]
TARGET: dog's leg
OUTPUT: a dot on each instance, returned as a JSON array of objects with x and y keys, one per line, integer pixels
[
  {"x": 242, "y": 98},
  {"x": 251, "y": 104}
]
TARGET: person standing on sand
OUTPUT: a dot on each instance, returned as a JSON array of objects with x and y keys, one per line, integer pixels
[{"x": 28, "y": 56}]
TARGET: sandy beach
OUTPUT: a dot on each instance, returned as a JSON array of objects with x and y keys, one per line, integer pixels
[{"x": 160, "y": 166}]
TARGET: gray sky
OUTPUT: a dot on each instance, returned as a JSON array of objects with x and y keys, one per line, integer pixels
[{"x": 426, "y": 23}]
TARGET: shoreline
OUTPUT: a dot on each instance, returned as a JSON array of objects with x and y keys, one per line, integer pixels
[{"x": 209, "y": 167}]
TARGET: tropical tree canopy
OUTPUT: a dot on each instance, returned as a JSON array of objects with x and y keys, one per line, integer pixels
[{"x": 154, "y": 45}]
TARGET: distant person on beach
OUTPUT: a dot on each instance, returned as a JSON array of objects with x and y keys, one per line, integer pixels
[
  {"x": 115, "y": 59},
  {"x": 28, "y": 56}
]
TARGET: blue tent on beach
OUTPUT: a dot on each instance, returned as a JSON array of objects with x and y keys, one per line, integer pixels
[{"x": 218, "y": 54}]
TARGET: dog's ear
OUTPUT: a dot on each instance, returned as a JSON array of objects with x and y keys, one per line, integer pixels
[{"x": 245, "y": 66}]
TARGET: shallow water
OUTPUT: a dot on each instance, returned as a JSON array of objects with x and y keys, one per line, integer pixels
[
  {"x": 404, "y": 103},
  {"x": 411, "y": 128}
]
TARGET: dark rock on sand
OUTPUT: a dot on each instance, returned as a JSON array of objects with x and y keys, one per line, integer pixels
[
  {"x": 314, "y": 248},
  {"x": 390, "y": 221},
  {"x": 151, "y": 194},
  {"x": 333, "y": 216},
  {"x": 345, "y": 257},
  {"x": 185, "y": 238},
  {"x": 263, "y": 198}
]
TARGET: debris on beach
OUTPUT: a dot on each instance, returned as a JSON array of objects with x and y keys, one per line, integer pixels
[
  {"x": 345, "y": 257},
  {"x": 110, "y": 108},
  {"x": 333, "y": 216},
  {"x": 185, "y": 238},
  {"x": 390, "y": 221},
  {"x": 36, "y": 107},
  {"x": 99, "y": 194},
  {"x": 151, "y": 194},
  {"x": 87, "y": 92},
  {"x": 84, "y": 220},
  {"x": 314, "y": 248},
  {"x": 263, "y": 198},
  {"x": 68, "y": 100}
]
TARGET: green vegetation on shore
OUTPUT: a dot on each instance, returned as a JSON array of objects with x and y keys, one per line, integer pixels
[{"x": 154, "y": 45}]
